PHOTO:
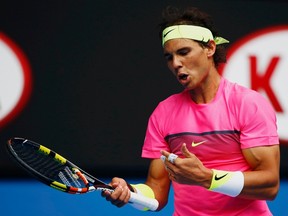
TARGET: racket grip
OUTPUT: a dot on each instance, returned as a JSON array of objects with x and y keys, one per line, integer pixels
[{"x": 150, "y": 203}]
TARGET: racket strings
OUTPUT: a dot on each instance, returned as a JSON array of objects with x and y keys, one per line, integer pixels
[
  {"x": 47, "y": 165},
  {"x": 53, "y": 169},
  {"x": 38, "y": 161}
]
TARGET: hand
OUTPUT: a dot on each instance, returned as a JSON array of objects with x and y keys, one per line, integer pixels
[
  {"x": 188, "y": 170},
  {"x": 121, "y": 194}
]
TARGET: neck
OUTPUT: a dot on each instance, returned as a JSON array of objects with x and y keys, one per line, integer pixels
[{"x": 207, "y": 91}]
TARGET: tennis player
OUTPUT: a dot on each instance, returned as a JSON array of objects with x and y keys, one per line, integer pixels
[{"x": 216, "y": 141}]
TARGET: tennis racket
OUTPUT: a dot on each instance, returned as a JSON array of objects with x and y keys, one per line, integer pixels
[{"x": 57, "y": 172}]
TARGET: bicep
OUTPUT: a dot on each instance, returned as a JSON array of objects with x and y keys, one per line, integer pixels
[
  {"x": 264, "y": 158},
  {"x": 262, "y": 182},
  {"x": 159, "y": 181}
]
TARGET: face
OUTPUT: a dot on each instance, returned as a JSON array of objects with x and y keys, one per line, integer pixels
[{"x": 189, "y": 62}]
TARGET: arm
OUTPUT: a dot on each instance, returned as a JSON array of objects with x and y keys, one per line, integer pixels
[
  {"x": 263, "y": 181},
  {"x": 157, "y": 180},
  {"x": 260, "y": 183}
]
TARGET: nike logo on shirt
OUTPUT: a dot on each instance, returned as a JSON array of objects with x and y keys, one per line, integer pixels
[{"x": 198, "y": 143}]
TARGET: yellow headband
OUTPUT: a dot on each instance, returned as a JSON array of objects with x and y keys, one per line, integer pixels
[{"x": 197, "y": 33}]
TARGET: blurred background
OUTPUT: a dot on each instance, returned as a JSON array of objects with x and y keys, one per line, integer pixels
[{"x": 82, "y": 77}]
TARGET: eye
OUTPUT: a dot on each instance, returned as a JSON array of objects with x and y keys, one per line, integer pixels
[
  {"x": 168, "y": 57},
  {"x": 183, "y": 51}
]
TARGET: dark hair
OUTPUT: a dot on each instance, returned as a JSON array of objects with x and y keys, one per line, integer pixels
[{"x": 193, "y": 16}]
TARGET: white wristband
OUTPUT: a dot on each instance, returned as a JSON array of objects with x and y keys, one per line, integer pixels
[{"x": 225, "y": 182}]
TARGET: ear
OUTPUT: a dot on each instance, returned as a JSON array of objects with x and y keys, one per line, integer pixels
[{"x": 211, "y": 48}]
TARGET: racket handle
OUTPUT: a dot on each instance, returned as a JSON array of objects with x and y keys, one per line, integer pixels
[{"x": 151, "y": 204}]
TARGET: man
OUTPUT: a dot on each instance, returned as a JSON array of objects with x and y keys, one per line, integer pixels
[{"x": 216, "y": 141}]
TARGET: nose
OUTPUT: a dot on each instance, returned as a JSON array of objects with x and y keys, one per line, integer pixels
[{"x": 175, "y": 63}]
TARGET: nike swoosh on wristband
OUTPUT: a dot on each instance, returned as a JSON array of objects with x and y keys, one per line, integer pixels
[
  {"x": 220, "y": 177},
  {"x": 198, "y": 143}
]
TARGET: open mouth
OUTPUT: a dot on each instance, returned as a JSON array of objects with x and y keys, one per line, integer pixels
[{"x": 182, "y": 76}]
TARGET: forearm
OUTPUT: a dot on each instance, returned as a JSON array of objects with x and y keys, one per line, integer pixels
[
  {"x": 161, "y": 193},
  {"x": 250, "y": 185},
  {"x": 263, "y": 181},
  {"x": 158, "y": 180},
  {"x": 260, "y": 185}
]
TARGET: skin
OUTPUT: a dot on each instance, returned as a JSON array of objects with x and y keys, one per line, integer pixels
[{"x": 194, "y": 68}]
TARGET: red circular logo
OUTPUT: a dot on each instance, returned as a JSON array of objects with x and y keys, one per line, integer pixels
[
  {"x": 259, "y": 61},
  {"x": 15, "y": 80}
]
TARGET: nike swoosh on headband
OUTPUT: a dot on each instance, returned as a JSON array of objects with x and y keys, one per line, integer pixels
[
  {"x": 164, "y": 35},
  {"x": 197, "y": 33}
]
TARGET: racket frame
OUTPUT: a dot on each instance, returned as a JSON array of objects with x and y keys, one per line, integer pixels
[{"x": 91, "y": 183}]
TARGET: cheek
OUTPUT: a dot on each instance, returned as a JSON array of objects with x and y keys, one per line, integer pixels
[
  {"x": 171, "y": 68},
  {"x": 200, "y": 62},
  {"x": 198, "y": 68},
  {"x": 194, "y": 65}
]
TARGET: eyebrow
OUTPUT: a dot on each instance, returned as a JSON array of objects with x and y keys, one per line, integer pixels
[{"x": 178, "y": 50}]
